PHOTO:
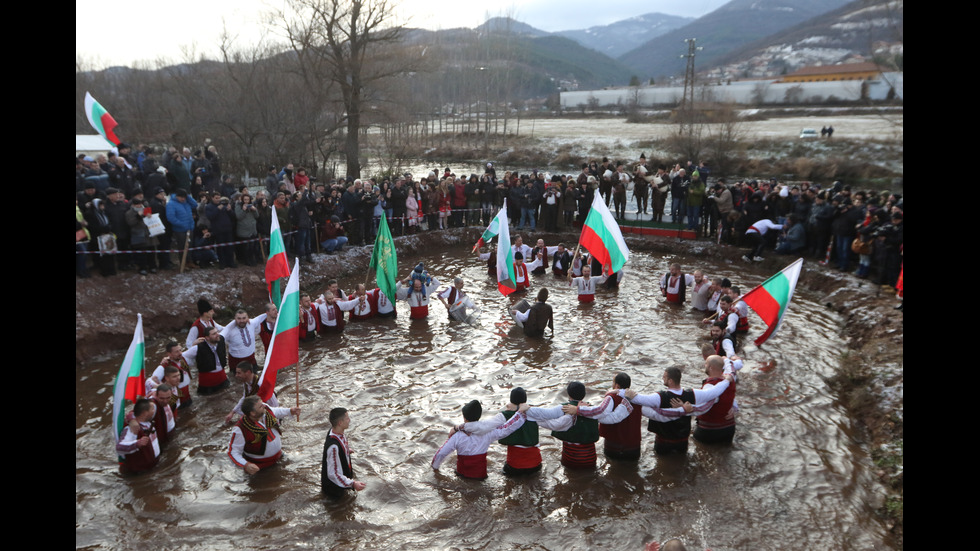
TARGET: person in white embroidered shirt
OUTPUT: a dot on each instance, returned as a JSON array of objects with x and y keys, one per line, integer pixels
[
  {"x": 701, "y": 291},
  {"x": 471, "y": 449},
  {"x": 256, "y": 441},
  {"x": 417, "y": 295},
  {"x": 673, "y": 285},
  {"x": 455, "y": 299},
  {"x": 523, "y": 450},
  {"x": 585, "y": 284},
  {"x": 364, "y": 309},
  {"x": 336, "y": 468},
  {"x": 240, "y": 338},
  {"x": 331, "y": 311},
  {"x": 673, "y": 427},
  {"x": 520, "y": 247}
]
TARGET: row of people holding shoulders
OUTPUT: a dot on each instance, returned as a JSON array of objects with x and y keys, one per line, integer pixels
[{"x": 617, "y": 418}]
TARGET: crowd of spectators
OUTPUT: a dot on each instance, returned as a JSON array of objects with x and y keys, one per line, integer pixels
[{"x": 222, "y": 222}]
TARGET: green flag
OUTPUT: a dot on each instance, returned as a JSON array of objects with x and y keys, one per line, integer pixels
[{"x": 385, "y": 260}]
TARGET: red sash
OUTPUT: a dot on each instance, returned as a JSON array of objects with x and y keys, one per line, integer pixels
[
  {"x": 523, "y": 458},
  {"x": 212, "y": 378},
  {"x": 586, "y": 298},
  {"x": 578, "y": 456},
  {"x": 419, "y": 312},
  {"x": 472, "y": 466}
]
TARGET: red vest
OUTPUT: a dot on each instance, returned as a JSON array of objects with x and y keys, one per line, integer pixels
[
  {"x": 310, "y": 323},
  {"x": 717, "y": 416},
  {"x": 371, "y": 309},
  {"x": 160, "y": 424},
  {"x": 743, "y": 324},
  {"x": 624, "y": 435},
  {"x": 184, "y": 392},
  {"x": 143, "y": 459},
  {"x": 265, "y": 333},
  {"x": 521, "y": 270},
  {"x": 256, "y": 449}
]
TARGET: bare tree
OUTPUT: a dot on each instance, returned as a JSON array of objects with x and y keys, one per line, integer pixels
[
  {"x": 725, "y": 137},
  {"x": 350, "y": 43}
]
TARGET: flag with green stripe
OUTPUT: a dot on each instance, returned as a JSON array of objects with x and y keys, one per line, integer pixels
[
  {"x": 602, "y": 237},
  {"x": 771, "y": 299},
  {"x": 129, "y": 380},
  {"x": 277, "y": 266},
  {"x": 284, "y": 346},
  {"x": 100, "y": 119},
  {"x": 506, "y": 273}
]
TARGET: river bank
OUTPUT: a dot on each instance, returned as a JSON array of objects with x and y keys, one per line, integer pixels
[
  {"x": 869, "y": 383},
  {"x": 867, "y": 149}
]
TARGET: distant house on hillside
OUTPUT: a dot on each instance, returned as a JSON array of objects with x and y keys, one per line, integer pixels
[{"x": 829, "y": 73}]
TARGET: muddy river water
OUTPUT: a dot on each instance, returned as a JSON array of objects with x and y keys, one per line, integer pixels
[{"x": 796, "y": 476}]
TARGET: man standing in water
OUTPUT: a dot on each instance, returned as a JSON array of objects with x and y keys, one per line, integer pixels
[
  {"x": 523, "y": 451},
  {"x": 471, "y": 449},
  {"x": 417, "y": 294},
  {"x": 674, "y": 284},
  {"x": 537, "y": 317},
  {"x": 336, "y": 470},
  {"x": 621, "y": 427},
  {"x": 138, "y": 444},
  {"x": 240, "y": 338},
  {"x": 585, "y": 284},
  {"x": 256, "y": 442},
  {"x": 673, "y": 427},
  {"x": 716, "y": 425}
]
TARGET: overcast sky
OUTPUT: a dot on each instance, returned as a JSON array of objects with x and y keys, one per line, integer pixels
[{"x": 121, "y": 34}]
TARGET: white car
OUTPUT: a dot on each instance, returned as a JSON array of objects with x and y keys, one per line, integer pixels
[{"x": 809, "y": 133}]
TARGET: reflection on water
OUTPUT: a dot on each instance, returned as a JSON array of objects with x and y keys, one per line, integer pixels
[{"x": 795, "y": 478}]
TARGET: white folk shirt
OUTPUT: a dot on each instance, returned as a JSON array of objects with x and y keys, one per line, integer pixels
[
  {"x": 192, "y": 335},
  {"x": 584, "y": 286},
  {"x": 241, "y": 340},
  {"x": 416, "y": 298},
  {"x": 762, "y": 226},
  {"x": 524, "y": 250},
  {"x": 327, "y": 311},
  {"x": 157, "y": 376},
  {"x": 476, "y": 444},
  {"x": 360, "y": 308},
  {"x": 700, "y": 295},
  {"x": 308, "y": 318},
  {"x": 713, "y": 301},
  {"x": 384, "y": 305},
  {"x": 547, "y": 418}
]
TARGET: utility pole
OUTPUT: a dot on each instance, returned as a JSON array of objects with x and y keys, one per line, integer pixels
[{"x": 686, "y": 110}]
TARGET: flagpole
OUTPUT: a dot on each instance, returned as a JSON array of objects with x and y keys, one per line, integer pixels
[
  {"x": 183, "y": 259},
  {"x": 297, "y": 387}
]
